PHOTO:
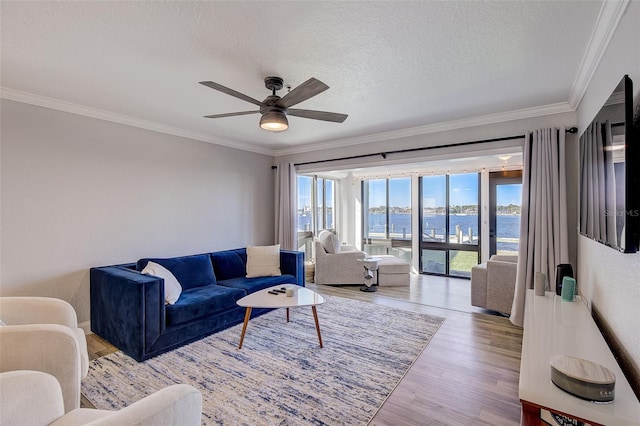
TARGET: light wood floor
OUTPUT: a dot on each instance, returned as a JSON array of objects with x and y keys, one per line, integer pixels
[{"x": 467, "y": 374}]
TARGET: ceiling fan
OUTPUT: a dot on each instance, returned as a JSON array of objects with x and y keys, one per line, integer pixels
[{"x": 275, "y": 109}]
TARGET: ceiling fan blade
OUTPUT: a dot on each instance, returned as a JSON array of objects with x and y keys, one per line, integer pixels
[
  {"x": 303, "y": 92},
  {"x": 231, "y": 92},
  {"x": 231, "y": 114},
  {"x": 318, "y": 115}
]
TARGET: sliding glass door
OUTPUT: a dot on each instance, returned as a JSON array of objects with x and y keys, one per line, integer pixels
[
  {"x": 450, "y": 224},
  {"x": 505, "y": 201},
  {"x": 387, "y": 217}
]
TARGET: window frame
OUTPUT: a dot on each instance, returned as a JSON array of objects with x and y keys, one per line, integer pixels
[{"x": 318, "y": 213}]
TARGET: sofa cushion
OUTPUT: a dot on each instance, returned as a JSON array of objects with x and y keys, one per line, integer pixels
[
  {"x": 329, "y": 242},
  {"x": 201, "y": 302},
  {"x": 254, "y": 284},
  {"x": 263, "y": 261},
  {"x": 172, "y": 287},
  {"x": 505, "y": 258},
  {"x": 389, "y": 264},
  {"x": 191, "y": 271},
  {"x": 228, "y": 264}
]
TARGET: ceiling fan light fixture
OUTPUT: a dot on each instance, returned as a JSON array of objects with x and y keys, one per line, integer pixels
[
  {"x": 274, "y": 121},
  {"x": 274, "y": 109}
]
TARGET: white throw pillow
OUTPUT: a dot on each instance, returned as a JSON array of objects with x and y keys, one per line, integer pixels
[
  {"x": 335, "y": 243},
  {"x": 172, "y": 288},
  {"x": 263, "y": 261},
  {"x": 330, "y": 242}
]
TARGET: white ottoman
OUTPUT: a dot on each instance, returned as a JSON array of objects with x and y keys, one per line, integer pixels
[{"x": 393, "y": 271}]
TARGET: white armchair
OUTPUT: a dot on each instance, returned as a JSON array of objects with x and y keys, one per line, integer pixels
[
  {"x": 42, "y": 334},
  {"x": 336, "y": 263},
  {"x": 493, "y": 283},
  {"x": 35, "y": 398}
]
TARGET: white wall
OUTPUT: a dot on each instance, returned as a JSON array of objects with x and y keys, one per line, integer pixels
[
  {"x": 79, "y": 192},
  {"x": 608, "y": 279}
]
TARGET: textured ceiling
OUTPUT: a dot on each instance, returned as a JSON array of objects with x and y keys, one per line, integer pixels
[{"x": 390, "y": 65}]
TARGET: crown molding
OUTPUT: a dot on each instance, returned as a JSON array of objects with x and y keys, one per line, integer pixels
[
  {"x": 610, "y": 15},
  {"x": 482, "y": 120},
  {"x": 42, "y": 101}
]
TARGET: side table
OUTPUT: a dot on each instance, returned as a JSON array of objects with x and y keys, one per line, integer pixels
[
  {"x": 309, "y": 271},
  {"x": 370, "y": 278}
]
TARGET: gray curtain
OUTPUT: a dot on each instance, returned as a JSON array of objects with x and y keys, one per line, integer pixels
[
  {"x": 286, "y": 204},
  {"x": 543, "y": 224},
  {"x": 597, "y": 184}
]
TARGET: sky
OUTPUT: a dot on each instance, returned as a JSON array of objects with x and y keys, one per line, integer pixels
[{"x": 509, "y": 194}]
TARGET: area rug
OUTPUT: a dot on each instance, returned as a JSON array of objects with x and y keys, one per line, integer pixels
[{"x": 281, "y": 376}]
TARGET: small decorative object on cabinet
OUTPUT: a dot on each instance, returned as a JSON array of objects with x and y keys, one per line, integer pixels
[
  {"x": 583, "y": 378},
  {"x": 568, "y": 289},
  {"x": 562, "y": 270},
  {"x": 540, "y": 283}
]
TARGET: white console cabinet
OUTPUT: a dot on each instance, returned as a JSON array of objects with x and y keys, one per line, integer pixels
[{"x": 554, "y": 327}]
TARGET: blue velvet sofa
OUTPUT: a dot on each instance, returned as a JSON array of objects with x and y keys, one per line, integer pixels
[{"x": 128, "y": 308}]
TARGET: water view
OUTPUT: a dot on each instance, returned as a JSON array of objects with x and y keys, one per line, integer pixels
[
  {"x": 508, "y": 228},
  {"x": 433, "y": 226}
]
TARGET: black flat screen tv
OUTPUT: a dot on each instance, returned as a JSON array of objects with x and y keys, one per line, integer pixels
[{"x": 610, "y": 173}]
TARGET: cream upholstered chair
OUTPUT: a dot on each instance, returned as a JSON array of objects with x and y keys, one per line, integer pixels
[
  {"x": 493, "y": 283},
  {"x": 336, "y": 263},
  {"x": 35, "y": 398},
  {"x": 42, "y": 334}
]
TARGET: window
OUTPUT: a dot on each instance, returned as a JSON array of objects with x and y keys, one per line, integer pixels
[
  {"x": 320, "y": 204},
  {"x": 450, "y": 224},
  {"x": 434, "y": 211},
  {"x": 316, "y": 204},
  {"x": 376, "y": 205},
  {"x": 505, "y": 202},
  {"x": 305, "y": 198},
  {"x": 400, "y": 209},
  {"x": 387, "y": 217},
  {"x": 324, "y": 204},
  {"x": 507, "y": 229},
  {"x": 463, "y": 208}
]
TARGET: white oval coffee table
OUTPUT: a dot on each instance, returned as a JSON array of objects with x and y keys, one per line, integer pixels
[{"x": 263, "y": 299}]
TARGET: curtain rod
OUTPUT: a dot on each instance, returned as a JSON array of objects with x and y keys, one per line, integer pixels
[{"x": 425, "y": 148}]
